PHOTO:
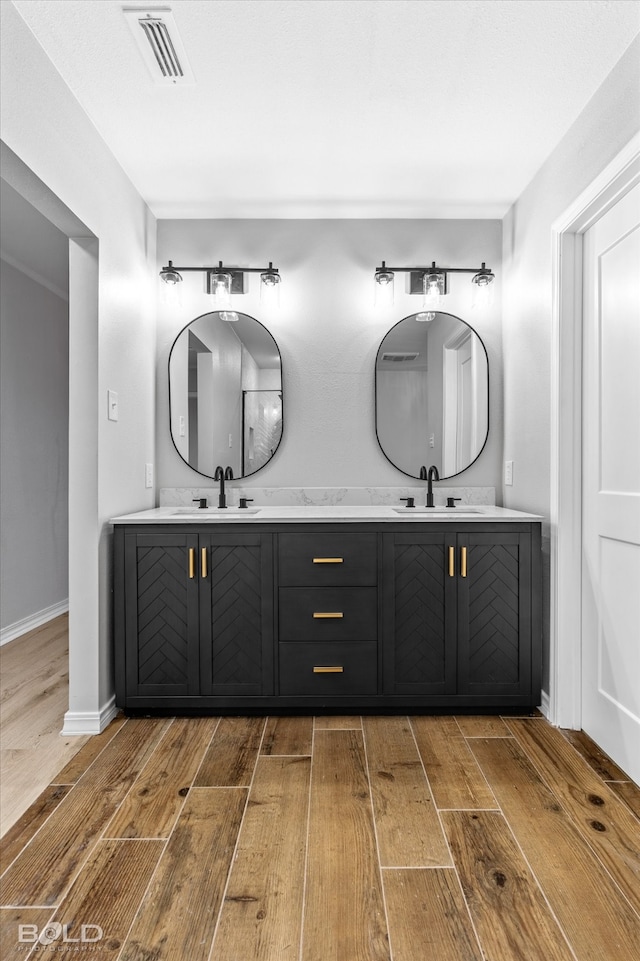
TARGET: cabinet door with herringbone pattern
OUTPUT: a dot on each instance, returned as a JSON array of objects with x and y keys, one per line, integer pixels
[
  {"x": 236, "y": 615},
  {"x": 494, "y": 615},
  {"x": 162, "y": 612},
  {"x": 423, "y": 621}
]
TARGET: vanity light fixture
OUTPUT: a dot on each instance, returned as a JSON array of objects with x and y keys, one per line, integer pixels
[
  {"x": 482, "y": 288},
  {"x": 223, "y": 282},
  {"x": 432, "y": 283},
  {"x": 383, "y": 286},
  {"x": 270, "y": 281}
]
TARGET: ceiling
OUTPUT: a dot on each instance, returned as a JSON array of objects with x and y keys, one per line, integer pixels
[{"x": 338, "y": 108}]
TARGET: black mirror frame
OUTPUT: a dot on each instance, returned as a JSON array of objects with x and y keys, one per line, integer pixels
[
  {"x": 178, "y": 335},
  {"x": 375, "y": 396}
]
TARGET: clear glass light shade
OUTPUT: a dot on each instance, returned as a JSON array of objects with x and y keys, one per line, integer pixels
[
  {"x": 383, "y": 288},
  {"x": 425, "y": 317},
  {"x": 482, "y": 290},
  {"x": 221, "y": 290},
  {"x": 432, "y": 292},
  {"x": 230, "y": 316},
  {"x": 270, "y": 288}
]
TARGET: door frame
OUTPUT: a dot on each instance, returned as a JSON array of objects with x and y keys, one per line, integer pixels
[{"x": 564, "y": 707}]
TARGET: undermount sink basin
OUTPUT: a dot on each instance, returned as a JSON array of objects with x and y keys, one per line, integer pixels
[
  {"x": 222, "y": 511},
  {"x": 439, "y": 511}
]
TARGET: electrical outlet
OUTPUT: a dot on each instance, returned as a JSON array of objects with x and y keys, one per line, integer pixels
[
  {"x": 182, "y": 427},
  {"x": 508, "y": 473},
  {"x": 112, "y": 405},
  {"x": 148, "y": 475},
  {"x": 230, "y": 440},
  {"x": 432, "y": 440}
]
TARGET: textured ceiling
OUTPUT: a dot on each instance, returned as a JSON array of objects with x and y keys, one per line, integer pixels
[{"x": 339, "y": 108}]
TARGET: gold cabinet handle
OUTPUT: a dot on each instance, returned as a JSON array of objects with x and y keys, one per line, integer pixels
[
  {"x": 452, "y": 562},
  {"x": 328, "y": 560},
  {"x": 328, "y": 670},
  {"x": 463, "y": 562},
  {"x": 322, "y": 614},
  {"x": 203, "y": 561},
  {"x": 192, "y": 562}
]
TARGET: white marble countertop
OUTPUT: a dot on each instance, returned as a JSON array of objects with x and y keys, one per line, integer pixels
[{"x": 316, "y": 514}]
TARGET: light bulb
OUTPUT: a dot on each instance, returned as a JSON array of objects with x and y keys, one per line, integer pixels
[
  {"x": 425, "y": 317},
  {"x": 229, "y": 316},
  {"x": 432, "y": 289}
]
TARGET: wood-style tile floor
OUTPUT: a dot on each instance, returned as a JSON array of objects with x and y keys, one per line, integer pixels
[{"x": 328, "y": 839}]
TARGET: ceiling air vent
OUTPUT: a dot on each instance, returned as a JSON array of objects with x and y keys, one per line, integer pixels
[
  {"x": 156, "y": 35},
  {"x": 399, "y": 357}
]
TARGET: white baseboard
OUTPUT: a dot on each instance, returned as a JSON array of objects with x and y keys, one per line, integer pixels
[
  {"x": 545, "y": 705},
  {"x": 89, "y": 722},
  {"x": 30, "y": 623}
]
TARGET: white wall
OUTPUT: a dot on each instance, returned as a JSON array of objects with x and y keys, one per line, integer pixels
[
  {"x": 34, "y": 428},
  {"x": 606, "y": 125},
  {"x": 329, "y": 332},
  {"x": 43, "y": 124}
]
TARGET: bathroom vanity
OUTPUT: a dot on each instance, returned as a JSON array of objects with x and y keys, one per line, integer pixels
[{"x": 334, "y": 609}]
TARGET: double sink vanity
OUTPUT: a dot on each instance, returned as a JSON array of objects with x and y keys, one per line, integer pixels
[
  {"x": 327, "y": 609},
  {"x": 253, "y": 608}
]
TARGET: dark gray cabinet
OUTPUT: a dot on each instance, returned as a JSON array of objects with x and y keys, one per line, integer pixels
[
  {"x": 236, "y": 614},
  {"x": 194, "y": 617},
  {"x": 364, "y": 617},
  {"x": 461, "y": 615},
  {"x": 328, "y": 623},
  {"x": 420, "y": 614},
  {"x": 161, "y": 616}
]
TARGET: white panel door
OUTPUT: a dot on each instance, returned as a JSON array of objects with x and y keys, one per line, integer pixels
[{"x": 611, "y": 484}]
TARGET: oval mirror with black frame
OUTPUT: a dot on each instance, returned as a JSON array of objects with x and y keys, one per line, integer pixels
[
  {"x": 225, "y": 394},
  {"x": 432, "y": 394}
]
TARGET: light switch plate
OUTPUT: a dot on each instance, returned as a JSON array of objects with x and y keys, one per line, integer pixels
[{"x": 112, "y": 405}]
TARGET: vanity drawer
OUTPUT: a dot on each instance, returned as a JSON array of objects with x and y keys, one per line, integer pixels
[
  {"x": 328, "y": 613},
  {"x": 313, "y": 560},
  {"x": 328, "y": 668}
]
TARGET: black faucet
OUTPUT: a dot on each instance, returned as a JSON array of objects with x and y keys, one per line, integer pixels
[
  {"x": 222, "y": 475},
  {"x": 432, "y": 474}
]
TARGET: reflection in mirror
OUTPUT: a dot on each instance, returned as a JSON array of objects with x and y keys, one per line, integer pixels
[
  {"x": 225, "y": 394},
  {"x": 432, "y": 394}
]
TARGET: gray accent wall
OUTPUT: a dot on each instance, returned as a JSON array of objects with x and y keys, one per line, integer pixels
[
  {"x": 34, "y": 418},
  {"x": 328, "y": 331}
]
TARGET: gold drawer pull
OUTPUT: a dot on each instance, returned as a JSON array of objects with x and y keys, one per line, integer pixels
[
  {"x": 328, "y": 670},
  {"x": 328, "y": 560},
  {"x": 322, "y": 614},
  {"x": 463, "y": 562},
  {"x": 192, "y": 562},
  {"x": 203, "y": 561},
  {"x": 452, "y": 562}
]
